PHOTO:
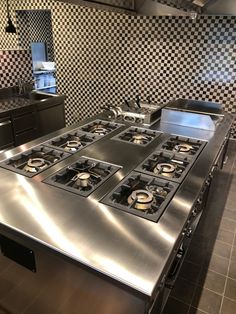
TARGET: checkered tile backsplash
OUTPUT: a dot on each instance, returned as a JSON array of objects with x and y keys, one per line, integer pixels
[
  {"x": 14, "y": 64},
  {"x": 102, "y": 57}
]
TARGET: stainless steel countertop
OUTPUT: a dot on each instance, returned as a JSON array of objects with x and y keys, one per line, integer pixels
[{"x": 132, "y": 250}]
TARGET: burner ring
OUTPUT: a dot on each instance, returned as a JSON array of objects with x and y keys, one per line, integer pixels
[
  {"x": 183, "y": 148},
  {"x": 139, "y": 138},
  {"x": 99, "y": 130},
  {"x": 36, "y": 162},
  {"x": 142, "y": 199},
  {"x": 73, "y": 144},
  {"x": 164, "y": 169}
]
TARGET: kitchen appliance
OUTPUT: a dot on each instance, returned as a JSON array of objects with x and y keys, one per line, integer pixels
[
  {"x": 34, "y": 161},
  {"x": 98, "y": 223},
  {"x": 142, "y": 195},
  {"x": 83, "y": 176},
  {"x": 100, "y": 127},
  {"x": 193, "y": 113},
  {"x": 72, "y": 142},
  {"x": 137, "y": 136},
  {"x": 135, "y": 111}
]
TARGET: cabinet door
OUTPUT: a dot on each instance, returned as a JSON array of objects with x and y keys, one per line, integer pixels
[
  {"x": 25, "y": 122},
  {"x": 6, "y": 134},
  {"x": 51, "y": 119}
]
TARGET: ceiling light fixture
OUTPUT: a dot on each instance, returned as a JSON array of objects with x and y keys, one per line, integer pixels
[{"x": 10, "y": 28}]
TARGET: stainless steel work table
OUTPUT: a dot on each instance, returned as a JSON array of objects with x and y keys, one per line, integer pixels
[{"x": 133, "y": 251}]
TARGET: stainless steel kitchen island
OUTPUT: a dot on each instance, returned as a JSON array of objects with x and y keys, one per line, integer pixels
[{"x": 94, "y": 251}]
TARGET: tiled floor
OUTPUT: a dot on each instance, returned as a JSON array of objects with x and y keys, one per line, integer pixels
[{"x": 207, "y": 279}]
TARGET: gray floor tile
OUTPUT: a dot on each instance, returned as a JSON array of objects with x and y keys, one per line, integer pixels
[
  {"x": 207, "y": 301},
  {"x": 222, "y": 249},
  {"x": 230, "y": 204},
  {"x": 193, "y": 310},
  {"x": 218, "y": 264},
  {"x": 196, "y": 254},
  {"x": 175, "y": 307},
  {"x": 213, "y": 281},
  {"x": 190, "y": 271},
  {"x": 183, "y": 291},
  {"x": 233, "y": 257},
  {"x": 230, "y": 291},
  {"x": 229, "y": 214},
  {"x": 228, "y": 224},
  {"x": 232, "y": 270},
  {"x": 228, "y": 306},
  {"x": 225, "y": 236}
]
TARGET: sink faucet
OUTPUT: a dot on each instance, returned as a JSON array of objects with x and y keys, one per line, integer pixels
[{"x": 25, "y": 86}]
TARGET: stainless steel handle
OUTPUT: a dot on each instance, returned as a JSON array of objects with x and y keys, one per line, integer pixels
[{"x": 5, "y": 122}]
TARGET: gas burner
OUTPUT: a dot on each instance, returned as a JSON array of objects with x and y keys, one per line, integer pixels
[
  {"x": 97, "y": 129},
  {"x": 137, "y": 136},
  {"x": 142, "y": 195},
  {"x": 139, "y": 139},
  {"x": 33, "y": 161},
  {"x": 73, "y": 145},
  {"x": 100, "y": 127},
  {"x": 165, "y": 169},
  {"x": 35, "y": 164},
  {"x": 82, "y": 179},
  {"x": 142, "y": 199},
  {"x": 72, "y": 142},
  {"x": 183, "y": 148},
  {"x": 83, "y": 176},
  {"x": 183, "y": 145},
  {"x": 166, "y": 164}
]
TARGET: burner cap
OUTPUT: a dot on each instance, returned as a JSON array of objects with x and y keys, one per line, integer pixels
[
  {"x": 139, "y": 139},
  {"x": 82, "y": 179},
  {"x": 34, "y": 163},
  {"x": 142, "y": 199},
  {"x": 72, "y": 145},
  {"x": 183, "y": 148},
  {"x": 164, "y": 169}
]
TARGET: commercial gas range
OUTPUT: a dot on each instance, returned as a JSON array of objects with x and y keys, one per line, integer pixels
[{"x": 103, "y": 208}]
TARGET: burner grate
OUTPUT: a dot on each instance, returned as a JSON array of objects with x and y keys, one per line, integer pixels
[
  {"x": 142, "y": 195},
  {"x": 72, "y": 142},
  {"x": 100, "y": 127},
  {"x": 137, "y": 136},
  {"x": 166, "y": 165},
  {"x": 83, "y": 176},
  {"x": 183, "y": 145},
  {"x": 34, "y": 161}
]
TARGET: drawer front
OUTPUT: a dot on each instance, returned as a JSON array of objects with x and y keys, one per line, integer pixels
[
  {"x": 26, "y": 136},
  {"x": 6, "y": 134},
  {"x": 25, "y": 122}
]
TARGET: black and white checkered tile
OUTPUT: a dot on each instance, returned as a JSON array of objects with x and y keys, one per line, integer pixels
[
  {"x": 14, "y": 64},
  {"x": 104, "y": 56},
  {"x": 35, "y": 26}
]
